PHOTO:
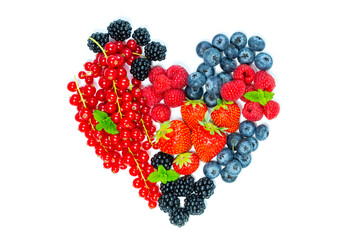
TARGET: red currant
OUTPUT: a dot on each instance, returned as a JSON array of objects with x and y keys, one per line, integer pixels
[
  {"x": 146, "y": 145},
  {"x": 110, "y": 73},
  {"x": 72, "y": 86},
  {"x": 110, "y": 48},
  {"x": 152, "y": 204},
  {"x": 119, "y": 46},
  {"x": 85, "y": 114},
  {"x": 75, "y": 99},
  {"x": 111, "y": 97},
  {"x": 104, "y": 82},
  {"x": 123, "y": 83},
  {"x": 135, "y": 82},
  {"x": 138, "y": 183},
  {"x": 87, "y": 66}
]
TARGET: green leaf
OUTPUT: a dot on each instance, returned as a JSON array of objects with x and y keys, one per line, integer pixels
[
  {"x": 111, "y": 128},
  {"x": 172, "y": 175},
  {"x": 161, "y": 169},
  {"x": 218, "y": 101},
  {"x": 268, "y": 95},
  {"x": 99, "y": 126},
  {"x": 253, "y": 96},
  {"x": 99, "y": 115},
  {"x": 154, "y": 177}
]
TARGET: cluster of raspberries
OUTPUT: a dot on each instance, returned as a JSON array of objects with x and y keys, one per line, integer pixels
[{"x": 166, "y": 85}]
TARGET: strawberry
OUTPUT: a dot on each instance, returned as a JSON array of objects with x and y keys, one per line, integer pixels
[
  {"x": 271, "y": 110},
  {"x": 173, "y": 137},
  {"x": 186, "y": 163},
  {"x": 233, "y": 90},
  {"x": 208, "y": 140},
  {"x": 193, "y": 111},
  {"x": 226, "y": 114}
]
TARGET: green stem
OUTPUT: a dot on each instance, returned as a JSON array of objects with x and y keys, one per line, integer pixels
[{"x": 98, "y": 46}]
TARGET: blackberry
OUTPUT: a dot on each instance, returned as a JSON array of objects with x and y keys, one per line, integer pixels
[
  {"x": 119, "y": 30},
  {"x": 162, "y": 158},
  {"x": 204, "y": 187},
  {"x": 168, "y": 202},
  {"x": 141, "y": 36},
  {"x": 155, "y": 51},
  {"x": 179, "y": 217},
  {"x": 195, "y": 204},
  {"x": 101, "y": 38},
  {"x": 140, "y": 68},
  {"x": 184, "y": 186},
  {"x": 169, "y": 187}
]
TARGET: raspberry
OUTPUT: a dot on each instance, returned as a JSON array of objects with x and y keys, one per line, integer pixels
[
  {"x": 174, "y": 97},
  {"x": 140, "y": 68},
  {"x": 244, "y": 72},
  {"x": 151, "y": 96},
  {"x": 178, "y": 76},
  {"x": 141, "y": 36},
  {"x": 233, "y": 90},
  {"x": 162, "y": 83},
  {"x": 155, "y": 71},
  {"x": 264, "y": 81},
  {"x": 248, "y": 88},
  {"x": 271, "y": 110},
  {"x": 101, "y": 38},
  {"x": 155, "y": 51},
  {"x": 253, "y": 111},
  {"x": 119, "y": 30},
  {"x": 160, "y": 113}
]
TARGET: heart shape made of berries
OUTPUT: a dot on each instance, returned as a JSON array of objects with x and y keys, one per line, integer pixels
[{"x": 120, "y": 117}]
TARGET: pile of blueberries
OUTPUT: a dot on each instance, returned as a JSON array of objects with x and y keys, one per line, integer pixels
[
  {"x": 237, "y": 154},
  {"x": 224, "y": 51}
]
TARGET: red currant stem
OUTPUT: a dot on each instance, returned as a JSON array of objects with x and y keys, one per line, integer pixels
[
  {"x": 139, "y": 54},
  {"x": 146, "y": 132},
  {"x": 99, "y": 46},
  {"x": 140, "y": 170},
  {"x": 78, "y": 89},
  {"x": 117, "y": 99},
  {"x": 102, "y": 145}
]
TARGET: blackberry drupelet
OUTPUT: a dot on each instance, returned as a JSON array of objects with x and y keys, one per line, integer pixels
[
  {"x": 168, "y": 202},
  {"x": 169, "y": 187},
  {"x": 184, "y": 186},
  {"x": 162, "y": 158},
  {"x": 101, "y": 38},
  {"x": 155, "y": 51},
  {"x": 119, "y": 30},
  {"x": 195, "y": 204},
  {"x": 179, "y": 217},
  {"x": 204, "y": 187},
  {"x": 141, "y": 36},
  {"x": 140, "y": 68}
]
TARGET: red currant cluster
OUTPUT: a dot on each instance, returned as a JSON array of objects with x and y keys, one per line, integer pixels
[{"x": 121, "y": 99}]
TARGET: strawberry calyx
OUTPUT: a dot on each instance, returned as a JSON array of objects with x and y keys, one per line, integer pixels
[
  {"x": 222, "y": 104},
  {"x": 183, "y": 159},
  {"x": 199, "y": 102},
  {"x": 164, "y": 129},
  {"x": 211, "y": 127}
]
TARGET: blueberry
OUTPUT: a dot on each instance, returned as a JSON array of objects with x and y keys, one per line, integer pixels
[
  {"x": 254, "y": 143},
  {"x": 224, "y": 77},
  {"x": 213, "y": 84},
  {"x": 262, "y": 132},
  {"x": 205, "y": 69},
  {"x": 202, "y": 47},
  {"x": 233, "y": 167},
  {"x": 256, "y": 43},
  {"x": 224, "y": 156},
  {"x": 233, "y": 139},
  {"x": 193, "y": 93},
  {"x": 226, "y": 177},
  {"x": 220, "y": 41},
  {"x": 239, "y": 39},
  {"x": 212, "y": 169},
  {"x": 212, "y": 57},
  {"x": 231, "y": 51},
  {"x": 244, "y": 160},
  {"x": 196, "y": 80},
  {"x": 246, "y": 55},
  {"x": 263, "y": 61},
  {"x": 210, "y": 99},
  {"x": 244, "y": 147},
  {"x": 227, "y": 64},
  {"x": 247, "y": 128}
]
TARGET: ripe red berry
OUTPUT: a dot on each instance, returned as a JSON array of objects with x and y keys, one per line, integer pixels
[
  {"x": 160, "y": 113},
  {"x": 75, "y": 99},
  {"x": 271, "y": 110},
  {"x": 253, "y": 111},
  {"x": 123, "y": 83},
  {"x": 71, "y": 86},
  {"x": 85, "y": 114},
  {"x": 110, "y": 48}
]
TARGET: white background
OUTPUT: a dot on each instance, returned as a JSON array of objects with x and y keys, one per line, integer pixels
[{"x": 303, "y": 182}]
